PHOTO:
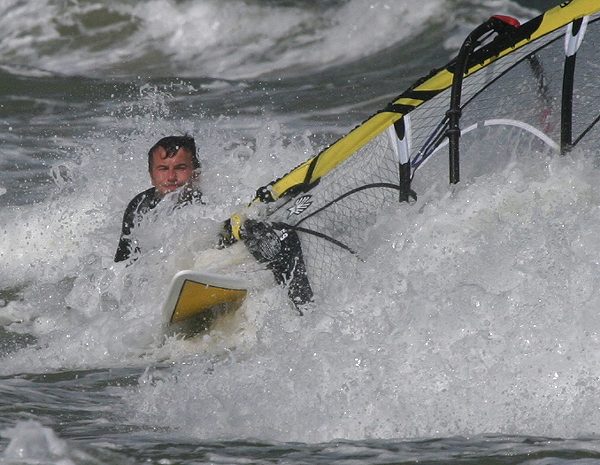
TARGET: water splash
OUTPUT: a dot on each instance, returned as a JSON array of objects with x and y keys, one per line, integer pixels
[
  {"x": 30, "y": 442},
  {"x": 59, "y": 283},
  {"x": 475, "y": 312}
]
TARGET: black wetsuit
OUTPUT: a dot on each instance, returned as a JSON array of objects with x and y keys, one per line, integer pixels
[{"x": 139, "y": 206}]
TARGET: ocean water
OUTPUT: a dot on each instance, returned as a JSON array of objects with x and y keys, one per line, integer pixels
[{"x": 470, "y": 333}]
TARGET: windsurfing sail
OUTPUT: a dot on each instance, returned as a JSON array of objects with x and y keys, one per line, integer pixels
[{"x": 538, "y": 81}]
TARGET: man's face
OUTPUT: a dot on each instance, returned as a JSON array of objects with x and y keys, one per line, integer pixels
[{"x": 170, "y": 173}]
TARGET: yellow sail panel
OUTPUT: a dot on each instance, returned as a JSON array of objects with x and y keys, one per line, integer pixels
[
  {"x": 439, "y": 81},
  {"x": 336, "y": 153},
  {"x": 291, "y": 179},
  {"x": 355, "y": 140},
  {"x": 561, "y": 15},
  {"x": 411, "y": 102}
]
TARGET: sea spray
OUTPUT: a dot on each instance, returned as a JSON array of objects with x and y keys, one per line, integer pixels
[
  {"x": 80, "y": 307},
  {"x": 475, "y": 312}
]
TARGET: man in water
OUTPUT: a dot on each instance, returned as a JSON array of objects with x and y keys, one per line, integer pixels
[{"x": 172, "y": 164}]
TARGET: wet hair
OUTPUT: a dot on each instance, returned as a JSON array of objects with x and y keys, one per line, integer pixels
[{"x": 172, "y": 144}]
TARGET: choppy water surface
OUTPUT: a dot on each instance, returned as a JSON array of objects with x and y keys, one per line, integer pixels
[{"x": 470, "y": 334}]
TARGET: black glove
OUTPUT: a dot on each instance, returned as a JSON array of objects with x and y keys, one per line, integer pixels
[
  {"x": 261, "y": 239},
  {"x": 226, "y": 235},
  {"x": 279, "y": 247}
]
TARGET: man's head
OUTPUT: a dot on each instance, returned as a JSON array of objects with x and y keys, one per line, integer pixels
[{"x": 172, "y": 162}]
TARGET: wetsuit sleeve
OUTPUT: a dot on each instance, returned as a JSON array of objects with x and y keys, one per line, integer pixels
[
  {"x": 141, "y": 203},
  {"x": 124, "y": 249}
]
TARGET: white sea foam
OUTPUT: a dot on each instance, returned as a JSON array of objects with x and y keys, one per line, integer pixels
[
  {"x": 30, "y": 442},
  {"x": 86, "y": 310},
  {"x": 475, "y": 312}
]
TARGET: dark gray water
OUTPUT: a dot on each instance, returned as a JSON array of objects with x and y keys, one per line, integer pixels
[{"x": 425, "y": 357}]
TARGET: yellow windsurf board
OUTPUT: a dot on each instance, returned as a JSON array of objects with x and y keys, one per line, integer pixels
[{"x": 193, "y": 294}]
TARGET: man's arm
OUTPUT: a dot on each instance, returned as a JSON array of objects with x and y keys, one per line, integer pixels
[
  {"x": 124, "y": 247},
  {"x": 140, "y": 204}
]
